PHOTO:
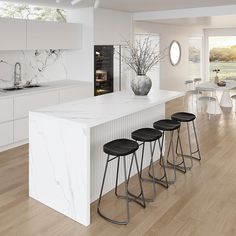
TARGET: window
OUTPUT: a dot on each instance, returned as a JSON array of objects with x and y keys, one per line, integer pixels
[
  {"x": 25, "y": 11},
  {"x": 222, "y": 56},
  {"x": 195, "y": 57}
]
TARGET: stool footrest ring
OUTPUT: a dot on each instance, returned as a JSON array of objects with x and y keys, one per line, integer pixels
[
  {"x": 110, "y": 220},
  {"x": 132, "y": 198},
  {"x": 176, "y": 166},
  {"x": 159, "y": 180}
]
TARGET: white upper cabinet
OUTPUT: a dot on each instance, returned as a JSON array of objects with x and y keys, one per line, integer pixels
[
  {"x": 53, "y": 35},
  {"x": 17, "y": 34},
  {"x": 12, "y": 34}
]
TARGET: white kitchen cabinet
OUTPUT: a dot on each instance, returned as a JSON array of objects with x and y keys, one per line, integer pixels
[
  {"x": 12, "y": 34},
  {"x": 21, "y": 129},
  {"x": 53, "y": 35},
  {"x": 6, "y": 133},
  {"x": 23, "y": 104},
  {"x": 6, "y": 110},
  {"x": 76, "y": 93},
  {"x": 14, "y": 121}
]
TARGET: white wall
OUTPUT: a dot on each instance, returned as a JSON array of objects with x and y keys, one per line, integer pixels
[
  {"x": 171, "y": 77},
  {"x": 82, "y": 59}
]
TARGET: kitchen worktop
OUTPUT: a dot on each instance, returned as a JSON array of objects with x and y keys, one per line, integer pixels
[
  {"x": 94, "y": 111},
  {"x": 43, "y": 87},
  {"x": 66, "y": 146}
]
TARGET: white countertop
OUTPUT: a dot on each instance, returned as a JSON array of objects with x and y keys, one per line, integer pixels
[
  {"x": 43, "y": 87},
  {"x": 94, "y": 111}
]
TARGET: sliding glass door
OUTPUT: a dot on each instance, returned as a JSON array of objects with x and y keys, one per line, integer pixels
[{"x": 222, "y": 56}]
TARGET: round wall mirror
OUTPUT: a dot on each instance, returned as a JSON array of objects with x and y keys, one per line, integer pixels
[{"x": 175, "y": 53}]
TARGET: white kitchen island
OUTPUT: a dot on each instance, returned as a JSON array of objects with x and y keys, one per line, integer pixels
[{"x": 66, "y": 141}]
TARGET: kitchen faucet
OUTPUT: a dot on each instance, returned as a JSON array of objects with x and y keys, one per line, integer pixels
[{"x": 17, "y": 74}]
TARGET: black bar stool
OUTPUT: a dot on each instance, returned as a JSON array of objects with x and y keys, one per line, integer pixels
[
  {"x": 168, "y": 125},
  {"x": 151, "y": 136},
  {"x": 186, "y": 117},
  {"x": 121, "y": 148}
]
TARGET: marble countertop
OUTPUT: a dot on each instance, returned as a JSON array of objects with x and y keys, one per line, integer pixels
[
  {"x": 94, "y": 111},
  {"x": 43, "y": 87}
]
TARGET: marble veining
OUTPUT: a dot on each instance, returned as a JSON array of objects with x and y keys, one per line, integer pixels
[
  {"x": 97, "y": 110},
  {"x": 66, "y": 160},
  {"x": 37, "y": 66}
]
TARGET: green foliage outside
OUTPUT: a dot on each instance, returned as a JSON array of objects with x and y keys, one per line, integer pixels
[
  {"x": 24, "y": 11},
  {"x": 226, "y": 54}
]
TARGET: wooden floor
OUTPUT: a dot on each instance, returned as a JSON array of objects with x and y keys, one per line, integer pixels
[{"x": 202, "y": 202}]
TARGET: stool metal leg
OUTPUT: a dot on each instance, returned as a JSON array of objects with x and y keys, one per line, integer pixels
[
  {"x": 161, "y": 180},
  {"x": 140, "y": 196},
  {"x": 131, "y": 196},
  {"x": 117, "y": 176},
  {"x": 173, "y": 166},
  {"x": 140, "y": 181},
  {"x": 126, "y": 189},
  {"x": 191, "y": 156},
  {"x": 141, "y": 164},
  {"x": 196, "y": 139},
  {"x": 151, "y": 164},
  {"x": 178, "y": 165},
  {"x": 173, "y": 155},
  {"x": 190, "y": 149},
  {"x": 100, "y": 197}
]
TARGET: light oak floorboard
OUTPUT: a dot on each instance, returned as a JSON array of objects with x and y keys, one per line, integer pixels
[{"x": 202, "y": 202}]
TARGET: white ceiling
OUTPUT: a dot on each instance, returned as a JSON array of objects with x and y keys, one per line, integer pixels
[
  {"x": 134, "y": 5},
  {"x": 204, "y": 22}
]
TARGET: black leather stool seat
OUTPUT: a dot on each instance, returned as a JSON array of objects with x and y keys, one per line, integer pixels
[
  {"x": 146, "y": 135},
  {"x": 166, "y": 125},
  {"x": 183, "y": 116},
  {"x": 120, "y": 147}
]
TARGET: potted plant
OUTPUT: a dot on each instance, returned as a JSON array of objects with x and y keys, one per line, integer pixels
[
  {"x": 217, "y": 71},
  {"x": 141, "y": 57}
]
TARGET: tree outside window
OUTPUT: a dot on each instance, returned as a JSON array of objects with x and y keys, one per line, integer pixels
[
  {"x": 222, "y": 56},
  {"x": 25, "y": 11}
]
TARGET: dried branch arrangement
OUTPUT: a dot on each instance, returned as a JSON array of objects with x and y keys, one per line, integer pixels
[{"x": 143, "y": 55}]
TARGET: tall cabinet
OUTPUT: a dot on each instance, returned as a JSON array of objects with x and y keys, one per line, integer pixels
[{"x": 103, "y": 69}]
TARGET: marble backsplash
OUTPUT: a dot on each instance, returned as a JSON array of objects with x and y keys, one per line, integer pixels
[{"x": 36, "y": 66}]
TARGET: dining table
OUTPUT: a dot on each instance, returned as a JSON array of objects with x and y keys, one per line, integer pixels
[{"x": 225, "y": 100}]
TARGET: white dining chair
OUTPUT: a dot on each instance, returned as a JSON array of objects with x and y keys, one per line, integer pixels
[
  {"x": 196, "y": 81},
  {"x": 189, "y": 91},
  {"x": 188, "y": 85},
  {"x": 234, "y": 98},
  {"x": 208, "y": 96}
]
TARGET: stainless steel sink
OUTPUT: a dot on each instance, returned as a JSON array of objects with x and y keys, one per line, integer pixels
[
  {"x": 15, "y": 88},
  {"x": 12, "y": 88},
  {"x": 32, "y": 86}
]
